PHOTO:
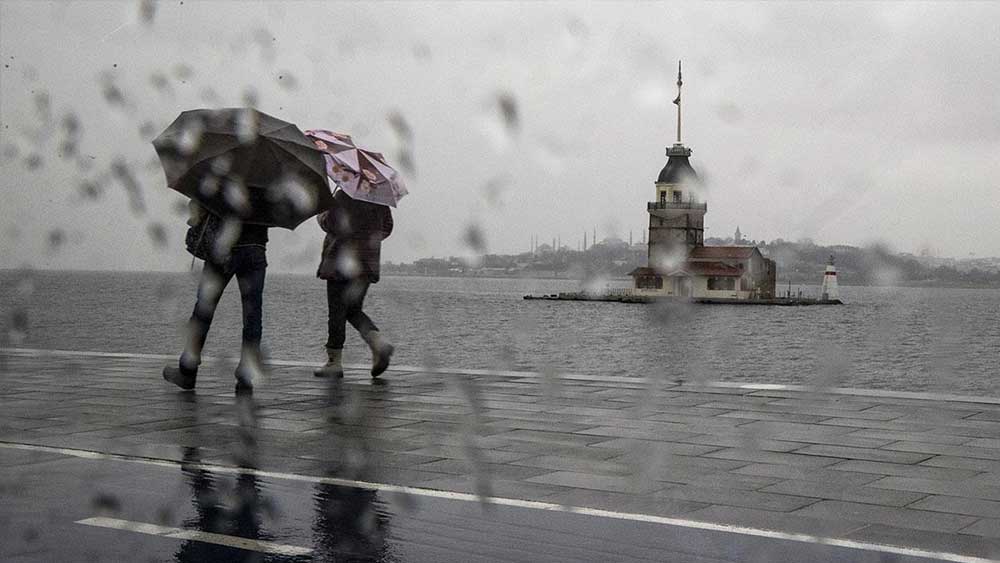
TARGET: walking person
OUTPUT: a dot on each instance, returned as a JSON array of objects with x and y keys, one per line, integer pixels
[
  {"x": 244, "y": 171},
  {"x": 350, "y": 263},
  {"x": 230, "y": 249}
]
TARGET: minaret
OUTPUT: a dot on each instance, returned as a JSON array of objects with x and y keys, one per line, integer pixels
[
  {"x": 738, "y": 237},
  {"x": 677, "y": 216}
]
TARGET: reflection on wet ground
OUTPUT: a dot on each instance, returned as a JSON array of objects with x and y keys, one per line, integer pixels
[
  {"x": 245, "y": 518},
  {"x": 101, "y": 461}
]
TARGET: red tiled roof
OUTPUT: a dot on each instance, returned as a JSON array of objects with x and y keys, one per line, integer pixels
[
  {"x": 708, "y": 269},
  {"x": 716, "y": 252},
  {"x": 643, "y": 271}
]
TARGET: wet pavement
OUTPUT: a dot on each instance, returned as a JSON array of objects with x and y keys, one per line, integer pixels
[{"x": 100, "y": 460}]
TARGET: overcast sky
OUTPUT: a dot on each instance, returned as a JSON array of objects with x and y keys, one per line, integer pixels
[{"x": 844, "y": 123}]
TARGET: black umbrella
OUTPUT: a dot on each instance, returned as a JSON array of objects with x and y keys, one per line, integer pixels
[{"x": 239, "y": 162}]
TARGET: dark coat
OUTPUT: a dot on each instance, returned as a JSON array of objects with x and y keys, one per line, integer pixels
[{"x": 354, "y": 233}]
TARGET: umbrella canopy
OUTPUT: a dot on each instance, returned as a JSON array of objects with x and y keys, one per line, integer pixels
[
  {"x": 239, "y": 162},
  {"x": 361, "y": 174}
]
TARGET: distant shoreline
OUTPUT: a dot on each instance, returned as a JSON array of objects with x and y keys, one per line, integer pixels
[{"x": 780, "y": 283}]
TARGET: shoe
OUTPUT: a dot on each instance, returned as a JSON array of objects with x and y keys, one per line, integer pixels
[
  {"x": 381, "y": 352},
  {"x": 243, "y": 387},
  {"x": 248, "y": 370},
  {"x": 180, "y": 376},
  {"x": 332, "y": 367}
]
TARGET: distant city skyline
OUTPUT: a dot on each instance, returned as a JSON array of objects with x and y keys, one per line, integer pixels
[{"x": 843, "y": 123}]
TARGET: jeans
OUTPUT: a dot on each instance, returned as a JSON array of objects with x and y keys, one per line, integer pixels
[
  {"x": 344, "y": 300},
  {"x": 248, "y": 264}
]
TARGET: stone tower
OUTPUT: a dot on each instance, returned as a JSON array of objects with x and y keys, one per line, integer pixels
[{"x": 677, "y": 216}]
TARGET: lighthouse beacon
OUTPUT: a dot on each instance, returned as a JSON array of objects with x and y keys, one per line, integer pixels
[{"x": 829, "y": 289}]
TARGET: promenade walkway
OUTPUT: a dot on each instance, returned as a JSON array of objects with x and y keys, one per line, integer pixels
[{"x": 878, "y": 472}]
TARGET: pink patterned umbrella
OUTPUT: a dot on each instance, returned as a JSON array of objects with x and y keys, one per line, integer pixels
[{"x": 362, "y": 174}]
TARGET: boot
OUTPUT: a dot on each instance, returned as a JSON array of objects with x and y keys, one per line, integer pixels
[
  {"x": 248, "y": 370},
  {"x": 181, "y": 376},
  {"x": 332, "y": 367},
  {"x": 381, "y": 352}
]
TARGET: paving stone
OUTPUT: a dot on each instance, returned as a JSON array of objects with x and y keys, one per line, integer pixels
[
  {"x": 737, "y": 497},
  {"x": 456, "y": 452},
  {"x": 564, "y": 463},
  {"x": 561, "y": 438},
  {"x": 959, "y": 505},
  {"x": 492, "y": 470},
  {"x": 597, "y": 482},
  {"x": 956, "y": 462},
  {"x": 773, "y": 457},
  {"x": 727, "y": 480},
  {"x": 662, "y": 463},
  {"x": 637, "y": 433},
  {"x": 904, "y": 470},
  {"x": 793, "y": 430},
  {"x": 945, "y": 449},
  {"x": 898, "y": 517},
  {"x": 743, "y": 441},
  {"x": 897, "y": 436},
  {"x": 966, "y": 488},
  {"x": 540, "y": 448},
  {"x": 879, "y": 424},
  {"x": 988, "y": 527},
  {"x": 812, "y": 474},
  {"x": 773, "y": 416},
  {"x": 626, "y": 444},
  {"x": 867, "y": 495},
  {"x": 863, "y": 453}
]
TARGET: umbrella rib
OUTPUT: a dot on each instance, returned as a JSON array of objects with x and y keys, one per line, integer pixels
[
  {"x": 275, "y": 145},
  {"x": 279, "y": 144}
]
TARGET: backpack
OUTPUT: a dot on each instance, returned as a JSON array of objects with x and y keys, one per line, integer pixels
[{"x": 201, "y": 237}]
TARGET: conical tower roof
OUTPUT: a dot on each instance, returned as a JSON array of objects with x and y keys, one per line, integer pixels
[{"x": 678, "y": 169}]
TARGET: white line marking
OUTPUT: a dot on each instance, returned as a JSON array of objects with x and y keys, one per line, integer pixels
[
  {"x": 944, "y": 397},
  {"x": 519, "y": 503},
  {"x": 206, "y": 537}
]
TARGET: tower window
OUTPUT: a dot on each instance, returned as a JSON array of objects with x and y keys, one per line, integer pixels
[{"x": 677, "y": 197}]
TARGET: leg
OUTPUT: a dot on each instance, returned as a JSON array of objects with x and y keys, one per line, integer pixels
[
  {"x": 250, "y": 278},
  {"x": 336, "y": 319},
  {"x": 336, "y": 291},
  {"x": 214, "y": 279},
  {"x": 354, "y": 302}
]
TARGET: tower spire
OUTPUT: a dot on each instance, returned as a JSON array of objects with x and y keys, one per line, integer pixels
[{"x": 677, "y": 101}]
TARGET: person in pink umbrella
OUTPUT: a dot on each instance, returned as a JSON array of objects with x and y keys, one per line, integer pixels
[
  {"x": 357, "y": 223},
  {"x": 350, "y": 263}
]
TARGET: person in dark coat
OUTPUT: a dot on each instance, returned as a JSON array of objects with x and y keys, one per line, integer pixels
[
  {"x": 230, "y": 249},
  {"x": 350, "y": 264}
]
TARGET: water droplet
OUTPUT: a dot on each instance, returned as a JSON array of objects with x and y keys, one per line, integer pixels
[
  {"x": 158, "y": 234},
  {"x": 106, "y": 503},
  {"x": 57, "y": 237},
  {"x": 90, "y": 190},
  {"x": 288, "y": 81},
  {"x": 147, "y": 11},
  {"x": 123, "y": 173},
  {"x": 474, "y": 238},
  {"x": 33, "y": 161}
]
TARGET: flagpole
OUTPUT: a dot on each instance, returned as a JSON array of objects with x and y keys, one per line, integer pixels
[{"x": 678, "y": 102}]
